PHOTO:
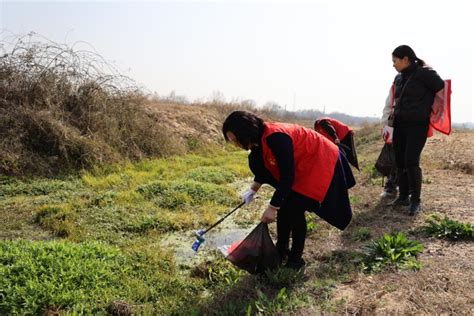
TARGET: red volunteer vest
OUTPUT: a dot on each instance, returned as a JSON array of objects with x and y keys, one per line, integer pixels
[
  {"x": 315, "y": 159},
  {"x": 440, "y": 118},
  {"x": 341, "y": 129}
]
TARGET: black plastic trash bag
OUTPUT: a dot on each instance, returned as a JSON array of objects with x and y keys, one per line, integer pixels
[
  {"x": 386, "y": 160},
  {"x": 256, "y": 253}
]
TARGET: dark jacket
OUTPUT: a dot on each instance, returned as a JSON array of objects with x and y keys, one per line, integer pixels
[{"x": 414, "y": 106}]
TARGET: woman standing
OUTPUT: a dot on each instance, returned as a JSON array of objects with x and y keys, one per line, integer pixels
[
  {"x": 307, "y": 171},
  {"x": 415, "y": 89}
]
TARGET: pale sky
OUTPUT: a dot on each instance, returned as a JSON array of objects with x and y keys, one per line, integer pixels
[{"x": 327, "y": 54}]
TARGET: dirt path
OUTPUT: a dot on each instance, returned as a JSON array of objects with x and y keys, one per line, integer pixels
[{"x": 445, "y": 284}]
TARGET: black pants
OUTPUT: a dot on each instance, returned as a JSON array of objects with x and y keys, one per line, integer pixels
[
  {"x": 392, "y": 179},
  {"x": 291, "y": 220},
  {"x": 408, "y": 142},
  {"x": 335, "y": 209}
]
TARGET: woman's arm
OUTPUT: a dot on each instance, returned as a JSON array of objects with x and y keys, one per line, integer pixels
[
  {"x": 432, "y": 80},
  {"x": 257, "y": 166},
  {"x": 387, "y": 110},
  {"x": 281, "y": 146}
]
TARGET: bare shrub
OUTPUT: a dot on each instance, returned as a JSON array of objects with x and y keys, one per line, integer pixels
[{"x": 63, "y": 108}]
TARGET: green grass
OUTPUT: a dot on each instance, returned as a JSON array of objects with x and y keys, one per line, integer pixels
[
  {"x": 88, "y": 277},
  {"x": 13, "y": 187},
  {"x": 108, "y": 223},
  {"x": 104, "y": 229},
  {"x": 113, "y": 202}
]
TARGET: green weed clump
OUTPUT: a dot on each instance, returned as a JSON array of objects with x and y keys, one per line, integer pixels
[
  {"x": 284, "y": 277},
  {"x": 35, "y": 188},
  {"x": 205, "y": 192},
  {"x": 266, "y": 305},
  {"x": 222, "y": 273},
  {"x": 392, "y": 250},
  {"x": 157, "y": 222},
  {"x": 174, "y": 195},
  {"x": 153, "y": 188},
  {"x": 448, "y": 229},
  {"x": 362, "y": 234},
  {"x": 57, "y": 218},
  {"x": 216, "y": 175}
]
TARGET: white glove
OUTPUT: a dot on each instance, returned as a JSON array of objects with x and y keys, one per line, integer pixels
[{"x": 248, "y": 196}]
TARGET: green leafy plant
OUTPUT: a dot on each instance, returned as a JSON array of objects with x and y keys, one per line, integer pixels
[
  {"x": 284, "y": 277},
  {"x": 311, "y": 223},
  {"x": 222, "y": 272},
  {"x": 448, "y": 229},
  {"x": 310, "y": 226},
  {"x": 267, "y": 305},
  {"x": 394, "y": 250}
]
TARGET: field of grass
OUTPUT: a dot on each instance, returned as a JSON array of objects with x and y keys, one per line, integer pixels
[
  {"x": 91, "y": 243},
  {"x": 81, "y": 243}
]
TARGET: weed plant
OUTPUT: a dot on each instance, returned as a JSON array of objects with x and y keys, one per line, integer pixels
[
  {"x": 362, "y": 234},
  {"x": 446, "y": 228},
  {"x": 392, "y": 250}
]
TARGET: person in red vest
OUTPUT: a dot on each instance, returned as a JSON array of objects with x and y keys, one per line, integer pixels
[
  {"x": 340, "y": 134},
  {"x": 308, "y": 172}
]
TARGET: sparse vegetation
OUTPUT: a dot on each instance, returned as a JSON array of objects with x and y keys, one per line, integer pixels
[{"x": 362, "y": 234}]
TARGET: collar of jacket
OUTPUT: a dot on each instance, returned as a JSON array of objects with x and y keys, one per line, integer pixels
[{"x": 409, "y": 70}]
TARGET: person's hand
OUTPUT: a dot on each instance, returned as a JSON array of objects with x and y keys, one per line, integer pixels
[
  {"x": 387, "y": 133},
  {"x": 269, "y": 215},
  {"x": 248, "y": 196}
]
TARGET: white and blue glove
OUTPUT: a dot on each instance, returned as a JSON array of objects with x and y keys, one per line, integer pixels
[{"x": 248, "y": 196}]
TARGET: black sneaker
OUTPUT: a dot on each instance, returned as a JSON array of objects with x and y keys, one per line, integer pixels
[
  {"x": 400, "y": 201},
  {"x": 415, "y": 208},
  {"x": 283, "y": 256}
]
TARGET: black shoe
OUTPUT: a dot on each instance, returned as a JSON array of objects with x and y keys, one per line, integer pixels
[
  {"x": 283, "y": 256},
  {"x": 400, "y": 201},
  {"x": 415, "y": 208},
  {"x": 297, "y": 265}
]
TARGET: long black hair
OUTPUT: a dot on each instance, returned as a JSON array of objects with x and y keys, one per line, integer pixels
[
  {"x": 406, "y": 51},
  {"x": 246, "y": 126}
]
